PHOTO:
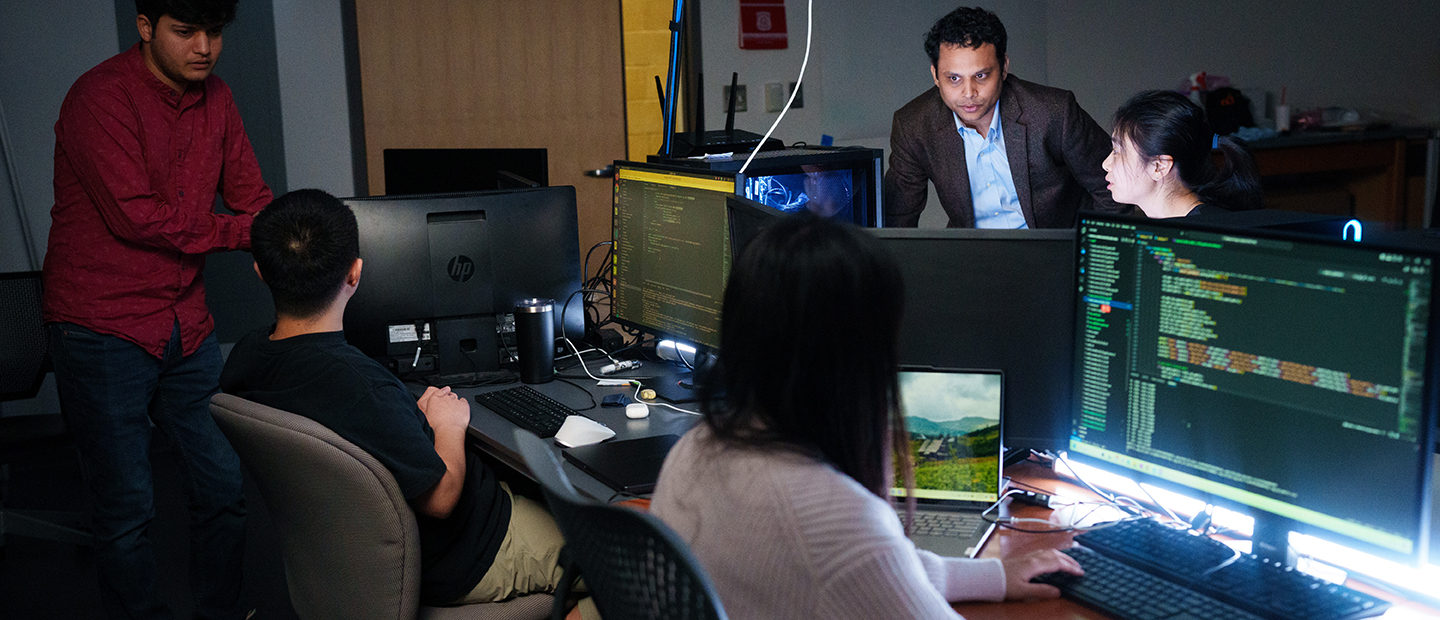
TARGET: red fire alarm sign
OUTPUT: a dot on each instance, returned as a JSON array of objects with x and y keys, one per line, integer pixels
[{"x": 762, "y": 25}]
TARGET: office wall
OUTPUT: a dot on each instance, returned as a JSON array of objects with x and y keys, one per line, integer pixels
[
  {"x": 1380, "y": 56},
  {"x": 867, "y": 59},
  {"x": 44, "y": 46},
  {"x": 315, "y": 115},
  {"x": 17, "y": 251}
]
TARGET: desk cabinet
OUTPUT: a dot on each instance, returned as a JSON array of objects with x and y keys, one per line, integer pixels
[{"x": 1376, "y": 176}]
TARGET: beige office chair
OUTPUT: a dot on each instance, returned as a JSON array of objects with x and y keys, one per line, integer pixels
[{"x": 348, "y": 538}]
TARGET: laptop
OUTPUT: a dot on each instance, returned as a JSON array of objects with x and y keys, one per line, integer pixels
[
  {"x": 629, "y": 466},
  {"x": 953, "y": 417}
]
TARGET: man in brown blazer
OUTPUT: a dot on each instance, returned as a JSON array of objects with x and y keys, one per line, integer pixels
[{"x": 1040, "y": 167}]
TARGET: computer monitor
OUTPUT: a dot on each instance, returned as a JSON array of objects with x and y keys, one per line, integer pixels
[
  {"x": 839, "y": 182},
  {"x": 441, "y": 171},
  {"x": 1285, "y": 376},
  {"x": 996, "y": 299},
  {"x": 672, "y": 253},
  {"x": 443, "y": 272},
  {"x": 746, "y": 219}
]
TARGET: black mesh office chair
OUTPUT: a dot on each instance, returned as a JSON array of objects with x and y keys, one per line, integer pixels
[
  {"x": 24, "y": 362},
  {"x": 634, "y": 565}
]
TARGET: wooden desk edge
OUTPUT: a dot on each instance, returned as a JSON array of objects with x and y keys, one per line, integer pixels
[{"x": 1006, "y": 543}]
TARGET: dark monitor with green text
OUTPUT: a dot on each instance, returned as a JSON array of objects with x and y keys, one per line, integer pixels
[
  {"x": 672, "y": 250},
  {"x": 1287, "y": 377}
]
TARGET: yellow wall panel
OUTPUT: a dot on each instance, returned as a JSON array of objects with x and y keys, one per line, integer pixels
[{"x": 646, "y": 30}]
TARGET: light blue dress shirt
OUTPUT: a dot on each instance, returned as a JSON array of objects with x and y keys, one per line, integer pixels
[{"x": 992, "y": 186}]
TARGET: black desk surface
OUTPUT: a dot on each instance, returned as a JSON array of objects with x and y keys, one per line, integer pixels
[{"x": 496, "y": 437}]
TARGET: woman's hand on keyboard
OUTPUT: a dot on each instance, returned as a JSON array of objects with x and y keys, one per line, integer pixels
[{"x": 1019, "y": 570}]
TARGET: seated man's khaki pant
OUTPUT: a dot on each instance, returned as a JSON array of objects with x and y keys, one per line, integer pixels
[{"x": 528, "y": 560}]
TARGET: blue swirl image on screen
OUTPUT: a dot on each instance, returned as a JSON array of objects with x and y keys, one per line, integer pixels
[{"x": 825, "y": 192}]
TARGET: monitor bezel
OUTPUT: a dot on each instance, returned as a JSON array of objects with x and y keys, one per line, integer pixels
[{"x": 1270, "y": 527}]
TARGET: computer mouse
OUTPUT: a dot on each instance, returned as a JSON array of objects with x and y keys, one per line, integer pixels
[
  {"x": 637, "y": 410},
  {"x": 1059, "y": 579},
  {"x": 579, "y": 430}
]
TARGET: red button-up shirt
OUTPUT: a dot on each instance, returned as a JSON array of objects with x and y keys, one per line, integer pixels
[{"x": 137, "y": 168}]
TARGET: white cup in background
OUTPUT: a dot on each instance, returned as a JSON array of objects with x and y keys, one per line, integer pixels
[{"x": 1282, "y": 118}]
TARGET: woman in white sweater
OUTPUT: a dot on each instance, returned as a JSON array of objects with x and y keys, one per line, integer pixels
[{"x": 781, "y": 492}]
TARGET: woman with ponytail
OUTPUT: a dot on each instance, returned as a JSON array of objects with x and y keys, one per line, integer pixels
[{"x": 1161, "y": 160}]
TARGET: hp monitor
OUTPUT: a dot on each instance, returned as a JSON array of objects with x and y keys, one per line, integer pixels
[{"x": 443, "y": 272}]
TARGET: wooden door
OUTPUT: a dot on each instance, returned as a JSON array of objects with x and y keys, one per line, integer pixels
[{"x": 498, "y": 74}]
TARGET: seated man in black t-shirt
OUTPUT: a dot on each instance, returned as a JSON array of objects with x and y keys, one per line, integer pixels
[{"x": 478, "y": 542}]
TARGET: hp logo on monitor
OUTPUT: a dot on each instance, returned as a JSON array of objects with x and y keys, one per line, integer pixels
[{"x": 461, "y": 268}]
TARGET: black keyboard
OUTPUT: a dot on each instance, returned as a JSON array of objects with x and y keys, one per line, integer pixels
[
  {"x": 528, "y": 409},
  {"x": 1275, "y": 590},
  {"x": 1159, "y": 549},
  {"x": 1129, "y": 593},
  {"x": 1208, "y": 567}
]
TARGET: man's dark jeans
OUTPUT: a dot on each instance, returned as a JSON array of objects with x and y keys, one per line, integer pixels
[{"x": 110, "y": 392}]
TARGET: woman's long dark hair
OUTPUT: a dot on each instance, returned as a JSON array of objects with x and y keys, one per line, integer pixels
[
  {"x": 1161, "y": 122},
  {"x": 808, "y": 349}
]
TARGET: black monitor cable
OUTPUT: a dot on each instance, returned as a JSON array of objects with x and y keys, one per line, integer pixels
[
  {"x": 598, "y": 282},
  {"x": 565, "y": 309},
  {"x": 604, "y": 260},
  {"x": 577, "y": 386}
]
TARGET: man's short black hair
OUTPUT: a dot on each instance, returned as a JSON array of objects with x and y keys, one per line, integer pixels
[
  {"x": 966, "y": 27},
  {"x": 304, "y": 244},
  {"x": 206, "y": 13}
]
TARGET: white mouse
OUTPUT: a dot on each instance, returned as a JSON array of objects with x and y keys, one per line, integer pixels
[
  {"x": 579, "y": 430},
  {"x": 637, "y": 410}
]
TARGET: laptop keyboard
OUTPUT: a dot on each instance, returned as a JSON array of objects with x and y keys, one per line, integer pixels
[{"x": 949, "y": 524}]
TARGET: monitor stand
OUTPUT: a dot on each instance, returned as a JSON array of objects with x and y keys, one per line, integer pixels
[
  {"x": 679, "y": 387},
  {"x": 1271, "y": 540},
  {"x": 685, "y": 386}
]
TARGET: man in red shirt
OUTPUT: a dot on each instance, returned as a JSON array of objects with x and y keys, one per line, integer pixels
[{"x": 144, "y": 142}]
